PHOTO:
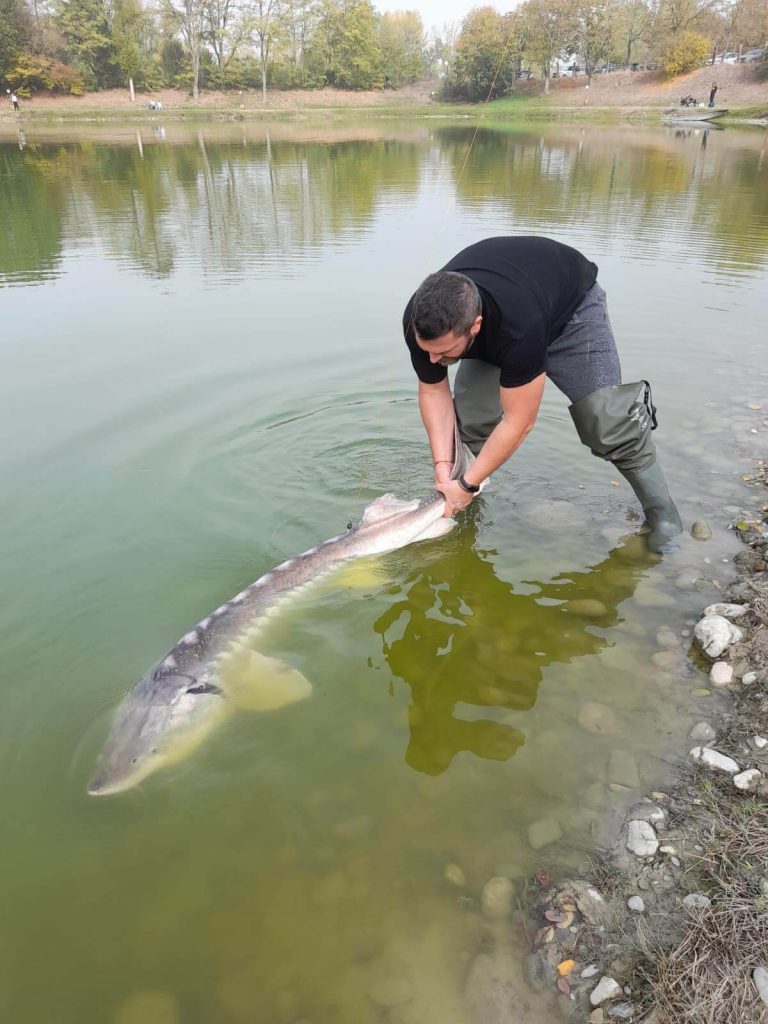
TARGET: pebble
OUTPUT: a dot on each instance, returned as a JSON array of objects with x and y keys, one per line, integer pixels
[
  {"x": 748, "y": 781},
  {"x": 721, "y": 674},
  {"x": 666, "y": 638},
  {"x": 622, "y": 1011},
  {"x": 760, "y": 742},
  {"x": 641, "y": 839},
  {"x": 496, "y": 897},
  {"x": 598, "y": 718},
  {"x": 607, "y": 988},
  {"x": 703, "y": 732},
  {"x": 391, "y": 990},
  {"x": 700, "y": 530},
  {"x": 701, "y": 691},
  {"x": 544, "y": 833},
  {"x": 636, "y": 904},
  {"x": 713, "y": 634},
  {"x": 728, "y": 611},
  {"x": 696, "y": 901},
  {"x": 590, "y": 971},
  {"x": 666, "y": 660},
  {"x": 749, "y": 678},
  {"x": 622, "y": 769},
  {"x": 760, "y": 978},
  {"x": 714, "y": 759},
  {"x": 454, "y": 875}
]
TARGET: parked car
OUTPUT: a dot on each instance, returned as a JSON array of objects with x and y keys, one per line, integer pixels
[
  {"x": 753, "y": 55},
  {"x": 729, "y": 58}
]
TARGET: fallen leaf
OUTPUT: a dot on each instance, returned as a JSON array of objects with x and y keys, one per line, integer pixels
[
  {"x": 615, "y": 483},
  {"x": 555, "y": 916},
  {"x": 544, "y": 935},
  {"x": 567, "y": 922},
  {"x": 564, "y": 987},
  {"x": 565, "y": 967}
]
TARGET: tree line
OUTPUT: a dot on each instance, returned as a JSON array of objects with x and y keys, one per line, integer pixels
[{"x": 75, "y": 45}]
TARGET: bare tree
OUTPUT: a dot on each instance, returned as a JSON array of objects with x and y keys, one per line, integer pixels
[
  {"x": 188, "y": 18},
  {"x": 264, "y": 22},
  {"x": 226, "y": 27}
]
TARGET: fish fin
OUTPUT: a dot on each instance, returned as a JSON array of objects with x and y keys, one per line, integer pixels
[
  {"x": 437, "y": 529},
  {"x": 255, "y": 682},
  {"x": 359, "y": 575}
]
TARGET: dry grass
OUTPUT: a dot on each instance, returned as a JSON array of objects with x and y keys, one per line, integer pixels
[{"x": 707, "y": 977}]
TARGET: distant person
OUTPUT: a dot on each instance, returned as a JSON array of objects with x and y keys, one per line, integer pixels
[
  {"x": 515, "y": 311},
  {"x": 712, "y": 92},
  {"x": 15, "y": 101}
]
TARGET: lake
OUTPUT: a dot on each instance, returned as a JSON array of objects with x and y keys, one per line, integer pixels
[{"x": 202, "y": 373}]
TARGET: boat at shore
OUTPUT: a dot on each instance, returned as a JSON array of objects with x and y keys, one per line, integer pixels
[{"x": 692, "y": 113}]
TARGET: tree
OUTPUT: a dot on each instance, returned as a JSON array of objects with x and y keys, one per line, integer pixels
[
  {"x": 684, "y": 52},
  {"x": 86, "y": 28},
  {"x": 226, "y": 27},
  {"x": 344, "y": 51},
  {"x": 133, "y": 35},
  {"x": 265, "y": 22},
  {"x": 188, "y": 19},
  {"x": 592, "y": 38},
  {"x": 481, "y": 67},
  {"x": 401, "y": 37},
  {"x": 14, "y": 28},
  {"x": 547, "y": 27},
  {"x": 631, "y": 23}
]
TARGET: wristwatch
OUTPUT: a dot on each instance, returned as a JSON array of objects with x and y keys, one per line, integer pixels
[{"x": 469, "y": 488}]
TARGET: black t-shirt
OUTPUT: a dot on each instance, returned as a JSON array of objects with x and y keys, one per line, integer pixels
[{"x": 530, "y": 287}]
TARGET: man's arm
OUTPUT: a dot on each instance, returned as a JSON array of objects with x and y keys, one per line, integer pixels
[
  {"x": 519, "y": 407},
  {"x": 436, "y": 408}
]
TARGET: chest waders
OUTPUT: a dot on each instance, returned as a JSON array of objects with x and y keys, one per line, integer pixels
[{"x": 616, "y": 424}]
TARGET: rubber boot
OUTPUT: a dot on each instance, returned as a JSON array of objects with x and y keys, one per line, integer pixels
[{"x": 616, "y": 424}]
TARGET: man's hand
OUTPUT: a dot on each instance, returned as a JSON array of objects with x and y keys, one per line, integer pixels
[{"x": 456, "y": 498}]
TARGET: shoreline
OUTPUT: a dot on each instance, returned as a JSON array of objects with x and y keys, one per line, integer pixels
[{"x": 672, "y": 924}]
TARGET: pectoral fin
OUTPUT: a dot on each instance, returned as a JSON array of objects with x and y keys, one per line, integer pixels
[
  {"x": 437, "y": 529},
  {"x": 255, "y": 682}
]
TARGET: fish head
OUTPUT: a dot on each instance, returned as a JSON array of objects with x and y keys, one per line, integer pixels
[
  {"x": 158, "y": 723},
  {"x": 389, "y": 523}
]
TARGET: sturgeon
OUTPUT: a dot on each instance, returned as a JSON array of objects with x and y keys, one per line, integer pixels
[{"x": 216, "y": 668}]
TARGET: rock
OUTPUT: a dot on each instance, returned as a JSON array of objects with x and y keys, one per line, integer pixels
[
  {"x": 696, "y": 901},
  {"x": 622, "y": 1011},
  {"x": 496, "y": 898},
  {"x": 590, "y": 971},
  {"x": 713, "y": 634},
  {"x": 760, "y": 978},
  {"x": 703, "y": 732},
  {"x": 641, "y": 839},
  {"x": 598, "y": 718},
  {"x": 587, "y": 607},
  {"x": 508, "y": 869},
  {"x": 700, "y": 691},
  {"x": 607, "y": 988},
  {"x": 666, "y": 638},
  {"x": 714, "y": 759},
  {"x": 760, "y": 742},
  {"x": 721, "y": 674},
  {"x": 728, "y": 611},
  {"x": 544, "y": 833},
  {"x": 597, "y": 1016},
  {"x": 636, "y": 904},
  {"x": 622, "y": 769},
  {"x": 749, "y": 678},
  {"x": 648, "y": 812},
  {"x": 700, "y": 530},
  {"x": 748, "y": 781},
  {"x": 454, "y": 875},
  {"x": 391, "y": 990},
  {"x": 737, "y": 635}
]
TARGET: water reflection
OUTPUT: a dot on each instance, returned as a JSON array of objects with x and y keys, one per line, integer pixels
[
  {"x": 462, "y": 614},
  {"x": 228, "y": 201}
]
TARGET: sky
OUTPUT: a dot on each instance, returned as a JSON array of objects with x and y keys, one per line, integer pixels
[{"x": 436, "y": 13}]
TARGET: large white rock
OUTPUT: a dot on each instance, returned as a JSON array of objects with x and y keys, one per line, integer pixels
[
  {"x": 728, "y": 611},
  {"x": 721, "y": 674},
  {"x": 748, "y": 781},
  {"x": 496, "y": 897},
  {"x": 607, "y": 988},
  {"x": 642, "y": 839},
  {"x": 714, "y": 759},
  {"x": 636, "y": 904},
  {"x": 696, "y": 901},
  {"x": 713, "y": 633},
  {"x": 760, "y": 978}
]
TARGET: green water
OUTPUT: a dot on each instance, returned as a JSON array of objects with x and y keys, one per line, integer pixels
[{"x": 201, "y": 374}]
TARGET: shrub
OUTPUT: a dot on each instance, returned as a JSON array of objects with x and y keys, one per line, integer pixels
[
  {"x": 34, "y": 72},
  {"x": 684, "y": 53}
]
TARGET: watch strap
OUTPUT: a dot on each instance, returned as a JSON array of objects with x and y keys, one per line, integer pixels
[{"x": 469, "y": 488}]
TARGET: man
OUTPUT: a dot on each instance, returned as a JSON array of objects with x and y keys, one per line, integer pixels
[
  {"x": 517, "y": 310},
  {"x": 15, "y": 102},
  {"x": 712, "y": 93}
]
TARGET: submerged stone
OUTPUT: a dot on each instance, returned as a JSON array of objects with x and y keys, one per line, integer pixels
[
  {"x": 544, "y": 833},
  {"x": 703, "y": 732},
  {"x": 700, "y": 530}
]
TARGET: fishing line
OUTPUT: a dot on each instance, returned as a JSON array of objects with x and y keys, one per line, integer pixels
[{"x": 387, "y": 399}]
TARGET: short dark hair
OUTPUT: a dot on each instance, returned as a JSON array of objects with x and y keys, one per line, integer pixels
[{"x": 445, "y": 301}]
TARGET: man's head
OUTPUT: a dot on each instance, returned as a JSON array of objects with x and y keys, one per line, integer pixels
[{"x": 447, "y": 315}]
